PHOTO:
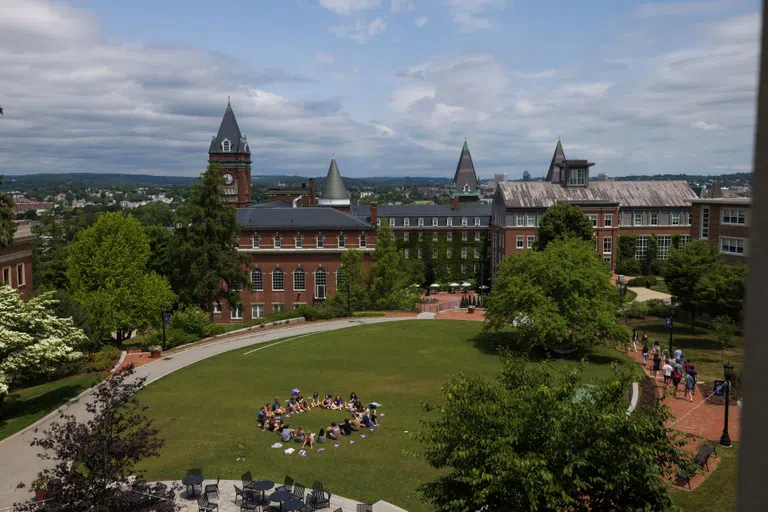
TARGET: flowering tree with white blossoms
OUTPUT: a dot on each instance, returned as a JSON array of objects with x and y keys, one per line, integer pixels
[{"x": 33, "y": 340}]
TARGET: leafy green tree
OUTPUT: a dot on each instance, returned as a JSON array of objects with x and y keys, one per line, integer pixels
[
  {"x": 725, "y": 328},
  {"x": 7, "y": 217},
  {"x": 154, "y": 214},
  {"x": 527, "y": 442},
  {"x": 626, "y": 264},
  {"x": 107, "y": 275},
  {"x": 721, "y": 290},
  {"x": 651, "y": 255},
  {"x": 355, "y": 279},
  {"x": 209, "y": 267},
  {"x": 562, "y": 295},
  {"x": 563, "y": 221},
  {"x": 390, "y": 286},
  {"x": 425, "y": 246}
]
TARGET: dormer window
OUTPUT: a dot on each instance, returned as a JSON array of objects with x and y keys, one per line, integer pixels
[
  {"x": 226, "y": 146},
  {"x": 466, "y": 187},
  {"x": 577, "y": 177}
]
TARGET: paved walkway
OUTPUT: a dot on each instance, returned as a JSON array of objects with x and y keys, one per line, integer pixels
[
  {"x": 18, "y": 460},
  {"x": 644, "y": 294},
  {"x": 462, "y": 314}
]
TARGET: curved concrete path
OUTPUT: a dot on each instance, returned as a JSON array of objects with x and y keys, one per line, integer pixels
[
  {"x": 644, "y": 294},
  {"x": 19, "y": 461}
]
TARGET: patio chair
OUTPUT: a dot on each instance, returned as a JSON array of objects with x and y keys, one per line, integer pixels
[
  {"x": 195, "y": 471},
  {"x": 363, "y": 507},
  {"x": 250, "y": 503},
  {"x": 246, "y": 479},
  {"x": 203, "y": 505},
  {"x": 213, "y": 488},
  {"x": 287, "y": 485},
  {"x": 702, "y": 456},
  {"x": 298, "y": 491},
  {"x": 239, "y": 494},
  {"x": 682, "y": 478},
  {"x": 318, "y": 498}
]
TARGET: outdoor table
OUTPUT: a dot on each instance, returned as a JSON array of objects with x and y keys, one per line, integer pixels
[
  {"x": 280, "y": 497},
  {"x": 192, "y": 481},
  {"x": 292, "y": 505},
  {"x": 261, "y": 486}
]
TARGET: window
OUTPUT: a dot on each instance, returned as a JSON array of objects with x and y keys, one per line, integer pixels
[
  {"x": 477, "y": 253},
  {"x": 434, "y": 236},
  {"x": 732, "y": 246},
  {"x": 278, "y": 308},
  {"x": 20, "y": 275},
  {"x": 226, "y": 146},
  {"x": 463, "y": 268},
  {"x": 607, "y": 245},
  {"x": 406, "y": 222},
  {"x": 520, "y": 220},
  {"x": 675, "y": 218},
  {"x": 607, "y": 259},
  {"x": 530, "y": 219},
  {"x": 463, "y": 221},
  {"x": 463, "y": 236},
  {"x": 255, "y": 241},
  {"x": 434, "y": 221},
  {"x": 434, "y": 253},
  {"x": 342, "y": 240},
  {"x": 257, "y": 280},
  {"x": 449, "y": 236},
  {"x": 520, "y": 242},
  {"x": 320, "y": 241},
  {"x": 421, "y": 236},
  {"x": 276, "y": 241},
  {"x": 665, "y": 243},
  {"x": 236, "y": 313},
  {"x": 7, "y": 275},
  {"x": 299, "y": 241},
  {"x": 654, "y": 219},
  {"x": 321, "y": 283},
  {"x": 685, "y": 239},
  {"x": 449, "y": 222},
  {"x": 299, "y": 280},
  {"x": 463, "y": 253},
  {"x": 406, "y": 252},
  {"x": 216, "y": 308},
  {"x": 734, "y": 217},
  {"x": 577, "y": 177},
  {"x": 704, "y": 233},
  {"x": 477, "y": 221},
  {"x": 642, "y": 247},
  {"x": 476, "y": 267},
  {"x": 419, "y": 254},
  {"x": 257, "y": 310},
  {"x": 638, "y": 221},
  {"x": 477, "y": 236},
  {"x": 593, "y": 220},
  {"x": 278, "y": 280},
  {"x": 448, "y": 252},
  {"x": 405, "y": 237},
  {"x": 363, "y": 241},
  {"x": 421, "y": 222},
  {"x": 608, "y": 220},
  {"x": 531, "y": 240}
]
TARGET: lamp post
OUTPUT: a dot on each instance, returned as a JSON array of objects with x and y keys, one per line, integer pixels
[
  {"x": 349, "y": 311},
  {"x": 164, "y": 318},
  {"x": 725, "y": 439}
]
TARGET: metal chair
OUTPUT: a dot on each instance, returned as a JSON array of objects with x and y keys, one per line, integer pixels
[
  {"x": 318, "y": 498},
  {"x": 213, "y": 487},
  {"x": 298, "y": 491},
  {"x": 206, "y": 506},
  {"x": 195, "y": 471},
  {"x": 287, "y": 485}
]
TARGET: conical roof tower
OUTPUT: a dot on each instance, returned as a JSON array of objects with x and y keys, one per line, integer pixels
[
  {"x": 558, "y": 157},
  {"x": 334, "y": 191},
  {"x": 465, "y": 185}
]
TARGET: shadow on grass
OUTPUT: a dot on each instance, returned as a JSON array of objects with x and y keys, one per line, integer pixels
[{"x": 15, "y": 407}]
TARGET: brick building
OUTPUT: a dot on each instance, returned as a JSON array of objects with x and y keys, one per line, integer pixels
[
  {"x": 725, "y": 223},
  {"x": 614, "y": 208},
  {"x": 16, "y": 260}
]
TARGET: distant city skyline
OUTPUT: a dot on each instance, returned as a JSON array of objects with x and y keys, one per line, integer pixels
[{"x": 391, "y": 87}]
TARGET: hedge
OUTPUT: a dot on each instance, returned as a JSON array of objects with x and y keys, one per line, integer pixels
[
  {"x": 647, "y": 281},
  {"x": 369, "y": 313}
]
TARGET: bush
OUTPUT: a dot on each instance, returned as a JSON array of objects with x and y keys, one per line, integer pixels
[
  {"x": 312, "y": 313},
  {"x": 628, "y": 267},
  {"x": 369, "y": 313},
  {"x": 659, "y": 308},
  {"x": 191, "y": 320},
  {"x": 104, "y": 359},
  {"x": 647, "y": 281}
]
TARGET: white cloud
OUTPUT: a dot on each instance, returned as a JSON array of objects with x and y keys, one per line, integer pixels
[
  {"x": 324, "y": 58},
  {"x": 350, "y": 7},
  {"x": 653, "y": 9},
  {"x": 402, "y": 5},
  {"x": 703, "y": 125},
  {"x": 403, "y": 99},
  {"x": 421, "y": 21},
  {"x": 360, "y": 31},
  {"x": 471, "y": 15}
]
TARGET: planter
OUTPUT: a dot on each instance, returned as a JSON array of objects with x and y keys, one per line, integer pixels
[
  {"x": 154, "y": 351},
  {"x": 41, "y": 494},
  {"x": 470, "y": 309}
]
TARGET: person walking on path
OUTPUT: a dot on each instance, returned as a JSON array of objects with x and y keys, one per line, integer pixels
[
  {"x": 656, "y": 364},
  {"x": 689, "y": 383},
  {"x": 667, "y": 374},
  {"x": 634, "y": 340},
  {"x": 676, "y": 376},
  {"x": 678, "y": 354},
  {"x": 693, "y": 373},
  {"x": 645, "y": 354}
]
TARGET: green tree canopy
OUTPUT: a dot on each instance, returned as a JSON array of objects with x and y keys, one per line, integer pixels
[
  {"x": 107, "y": 275},
  {"x": 355, "y": 279},
  {"x": 390, "y": 283},
  {"x": 208, "y": 266},
  {"x": 561, "y": 295},
  {"x": 526, "y": 442},
  {"x": 7, "y": 218},
  {"x": 563, "y": 221}
]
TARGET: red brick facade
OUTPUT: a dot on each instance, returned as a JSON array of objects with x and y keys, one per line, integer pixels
[
  {"x": 720, "y": 222},
  {"x": 16, "y": 261}
]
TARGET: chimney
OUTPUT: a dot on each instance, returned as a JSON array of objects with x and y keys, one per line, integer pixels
[
  {"x": 312, "y": 192},
  {"x": 455, "y": 203},
  {"x": 374, "y": 212}
]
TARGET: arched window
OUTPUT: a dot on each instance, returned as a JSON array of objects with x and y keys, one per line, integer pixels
[
  {"x": 321, "y": 283},
  {"x": 257, "y": 280},
  {"x": 299, "y": 280},
  {"x": 342, "y": 240},
  {"x": 276, "y": 241},
  {"x": 339, "y": 277},
  {"x": 256, "y": 241},
  {"x": 320, "y": 240},
  {"x": 363, "y": 241},
  {"x": 299, "y": 241},
  {"x": 278, "y": 280},
  {"x": 226, "y": 146}
]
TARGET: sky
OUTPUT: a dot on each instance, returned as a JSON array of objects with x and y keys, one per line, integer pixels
[{"x": 387, "y": 87}]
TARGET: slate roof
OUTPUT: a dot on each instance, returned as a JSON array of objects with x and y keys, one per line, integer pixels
[
  {"x": 272, "y": 204},
  {"x": 426, "y": 210},
  {"x": 308, "y": 218},
  {"x": 538, "y": 194},
  {"x": 333, "y": 187},
  {"x": 230, "y": 131},
  {"x": 465, "y": 171}
]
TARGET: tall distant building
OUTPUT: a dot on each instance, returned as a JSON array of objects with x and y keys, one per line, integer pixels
[
  {"x": 229, "y": 150},
  {"x": 602, "y": 176},
  {"x": 526, "y": 176},
  {"x": 499, "y": 178},
  {"x": 465, "y": 186}
]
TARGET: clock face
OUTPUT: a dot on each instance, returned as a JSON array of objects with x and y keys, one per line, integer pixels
[{"x": 228, "y": 179}]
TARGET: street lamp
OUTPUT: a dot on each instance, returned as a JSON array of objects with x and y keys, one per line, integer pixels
[{"x": 725, "y": 439}]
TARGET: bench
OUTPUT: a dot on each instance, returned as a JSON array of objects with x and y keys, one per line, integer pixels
[
  {"x": 682, "y": 478},
  {"x": 703, "y": 454}
]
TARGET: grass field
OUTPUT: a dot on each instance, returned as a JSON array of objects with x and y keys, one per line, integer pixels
[
  {"x": 718, "y": 492},
  {"x": 207, "y": 412},
  {"x": 699, "y": 346},
  {"x": 23, "y": 407},
  {"x": 630, "y": 295}
]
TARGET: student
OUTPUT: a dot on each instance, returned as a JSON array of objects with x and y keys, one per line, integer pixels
[
  {"x": 352, "y": 400},
  {"x": 338, "y": 403},
  {"x": 676, "y": 376},
  {"x": 366, "y": 421},
  {"x": 356, "y": 424},
  {"x": 667, "y": 374},
  {"x": 346, "y": 427},
  {"x": 634, "y": 340},
  {"x": 299, "y": 434},
  {"x": 689, "y": 386},
  {"x": 303, "y": 403},
  {"x": 293, "y": 405},
  {"x": 326, "y": 404},
  {"x": 693, "y": 373},
  {"x": 277, "y": 407},
  {"x": 334, "y": 432},
  {"x": 308, "y": 440},
  {"x": 315, "y": 399},
  {"x": 645, "y": 354},
  {"x": 321, "y": 436},
  {"x": 656, "y": 364},
  {"x": 374, "y": 419},
  {"x": 678, "y": 354},
  {"x": 286, "y": 433},
  {"x": 645, "y": 338},
  {"x": 656, "y": 347}
]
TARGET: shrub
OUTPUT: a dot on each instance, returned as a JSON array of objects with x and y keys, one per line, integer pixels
[
  {"x": 312, "y": 313},
  {"x": 659, "y": 308},
  {"x": 368, "y": 313},
  {"x": 192, "y": 321},
  {"x": 646, "y": 281},
  {"x": 104, "y": 359}
]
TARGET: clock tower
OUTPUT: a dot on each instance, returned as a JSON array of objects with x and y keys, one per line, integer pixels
[{"x": 230, "y": 151}]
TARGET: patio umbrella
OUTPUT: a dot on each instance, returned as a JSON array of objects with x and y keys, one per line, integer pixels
[
  {"x": 454, "y": 285},
  {"x": 483, "y": 287},
  {"x": 434, "y": 285},
  {"x": 466, "y": 284}
]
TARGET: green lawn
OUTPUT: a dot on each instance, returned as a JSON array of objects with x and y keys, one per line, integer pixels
[
  {"x": 23, "y": 407},
  {"x": 718, "y": 492},
  {"x": 630, "y": 295},
  {"x": 207, "y": 412},
  {"x": 660, "y": 286},
  {"x": 699, "y": 346}
]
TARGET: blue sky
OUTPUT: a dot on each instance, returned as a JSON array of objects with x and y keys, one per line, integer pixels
[{"x": 390, "y": 87}]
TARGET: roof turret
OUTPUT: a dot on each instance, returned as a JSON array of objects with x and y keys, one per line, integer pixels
[
  {"x": 229, "y": 139},
  {"x": 334, "y": 191}
]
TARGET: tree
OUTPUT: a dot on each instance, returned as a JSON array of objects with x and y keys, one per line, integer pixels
[
  {"x": 562, "y": 295},
  {"x": 355, "y": 278},
  {"x": 651, "y": 255},
  {"x": 7, "y": 218},
  {"x": 626, "y": 263},
  {"x": 94, "y": 460},
  {"x": 725, "y": 328},
  {"x": 389, "y": 274},
  {"x": 34, "y": 342},
  {"x": 527, "y": 442},
  {"x": 721, "y": 290},
  {"x": 563, "y": 221},
  {"x": 107, "y": 275},
  {"x": 209, "y": 268}
]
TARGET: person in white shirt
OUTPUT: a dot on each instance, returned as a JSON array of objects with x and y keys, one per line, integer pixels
[
  {"x": 667, "y": 374},
  {"x": 678, "y": 354}
]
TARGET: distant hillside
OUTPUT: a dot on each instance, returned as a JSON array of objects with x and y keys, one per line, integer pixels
[
  {"x": 86, "y": 180},
  {"x": 725, "y": 180}
]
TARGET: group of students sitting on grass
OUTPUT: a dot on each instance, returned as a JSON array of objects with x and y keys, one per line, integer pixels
[{"x": 270, "y": 418}]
